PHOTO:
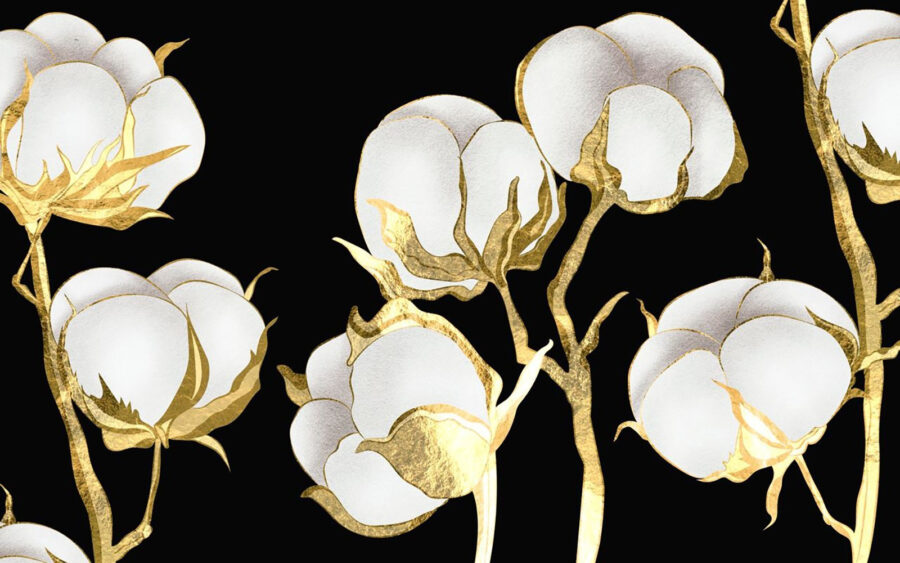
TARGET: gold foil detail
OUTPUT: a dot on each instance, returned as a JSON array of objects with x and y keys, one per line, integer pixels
[{"x": 326, "y": 499}]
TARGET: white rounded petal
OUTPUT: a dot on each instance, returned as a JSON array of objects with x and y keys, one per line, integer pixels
[
  {"x": 863, "y": 88},
  {"x": 792, "y": 299},
  {"x": 498, "y": 153},
  {"x": 138, "y": 344},
  {"x": 165, "y": 117},
  {"x": 564, "y": 88},
  {"x": 413, "y": 164},
  {"x": 712, "y": 129},
  {"x": 688, "y": 418},
  {"x": 31, "y": 542},
  {"x": 228, "y": 327},
  {"x": 317, "y": 430},
  {"x": 408, "y": 368},
  {"x": 462, "y": 116},
  {"x": 657, "y": 47},
  {"x": 18, "y": 48},
  {"x": 793, "y": 372},
  {"x": 370, "y": 490},
  {"x": 710, "y": 309},
  {"x": 649, "y": 137},
  {"x": 177, "y": 272},
  {"x": 130, "y": 62},
  {"x": 72, "y": 106},
  {"x": 327, "y": 372},
  {"x": 657, "y": 354},
  {"x": 849, "y": 31},
  {"x": 90, "y": 286},
  {"x": 71, "y": 38}
]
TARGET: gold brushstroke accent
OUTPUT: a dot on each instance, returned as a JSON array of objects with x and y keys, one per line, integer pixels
[
  {"x": 215, "y": 446},
  {"x": 251, "y": 287},
  {"x": 592, "y": 334},
  {"x": 652, "y": 321},
  {"x": 163, "y": 53},
  {"x": 862, "y": 269},
  {"x": 845, "y": 338},
  {"x": 8, "y": 516},
  {"x": 774, "y": 491},
  {"x": 503, "y": 415},
  {"x": 326, "y": 499},
  {"x": 295, "y": 385},
  {"x": 633, "y": 425},
  {"x": 767, "y": 273}
]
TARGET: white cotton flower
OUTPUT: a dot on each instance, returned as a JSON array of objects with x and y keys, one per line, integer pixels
[{"x": 24, "y": 541}]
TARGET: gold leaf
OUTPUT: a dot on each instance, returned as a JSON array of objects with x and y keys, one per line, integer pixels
[
  {"x": 296, "y": 386},
  {"x": 774, "y": 491},
  {"x": 592, "y": 336},
  {"x": 251, "y": 287},
  {"x": 652, "y": 322},
  {"x": 438, "y": 449},
  {"x": 215, "y": 446},
  {"x": 767, "y": 274},
  {"x": 882, "y": 193},
  {"x": 8, "y": 516},
  {"x": 11, "y": 115},
  {"x": 326, "y": 499},
  {"x": 631, "y": 425},
  {"x": 879, "y": 356},
  {"x": 399, "y": 234},
  {"x": 735, "y": 173},
  {"x": 532, "y": 259},
  {"x": 502, "y": 417},
  {"x": 223, "y": 410},
  {"x": 592, "y": 169},
  {"x": 196, "y": 377},
  {"x": 873, "y": 161},
  {"x": 534, "y": 228},
  {"x": 845, "y": 338},
  {"x": 459, "y": 228},
  {"x": 163, "y": 52},
  {"x": 498, "y": 248}
]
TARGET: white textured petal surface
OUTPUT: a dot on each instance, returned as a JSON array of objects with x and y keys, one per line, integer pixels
[
  {"x": 92, "y": 285},
  {"x": 327, "y": 372},
  {"x": 33, "y": 541},
  {"x": 177, "y": 272},
  {"x": 71, "y": 38},
  {"x": 463, "y": 116},
  {"x": 18, "y": 48},
  {"x": 657, "y": 47},
  {"x": 863, "y": 88},
  {"x": 688, "y": 417},
  {"x": 407, "y": 368},
  {"x": 657, "y": 354},
  {"x": 72, "y": 106},
  {"x": 564, "y": 89},
  {"x": 712, "y": 129},
  {"x": 710, "y": 309},
  {"x": 413, "y": 164},
  {"x": 369, "y": 488},
  {"x": 649, "y": 137},
  {"x": 130, "y": 62},
  {"x": 498, "y": 153},
  {"x": 165, "y": 117},
  {"x": 138, "y": 344},
  {"x": 228, "y": 327},
  {"x": 317, "y": 430},
  {"x": 848, "y": 31},
  {"x": 792, "y": 371},
  {"x": 792, "y": 299}
]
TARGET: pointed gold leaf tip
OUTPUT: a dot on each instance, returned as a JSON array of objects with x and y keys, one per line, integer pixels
[
  {"x": 251, "y": 287},
  {"x": 215, "y": 446},
  {"x": 767, "y": 274},
  {"x": 631, "y": 425},
  {"x": 8, "y": 516},
  {"x": 774, "y": 491},
  {"x": 295, "y": 385},
  {"x": 506, "y": 411},
  {"x": 163, "y": 52},
  {"x": 652, "y": 322}
]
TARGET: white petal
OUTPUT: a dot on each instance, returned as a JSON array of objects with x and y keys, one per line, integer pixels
[
  {"x": 863, "y": 87},
  {"x": 408, "y": 368},
  {"x": 228, "y": 327},
  {"x": 792, "y": 299},
  {"x": 73, "y": 106},
  {"x": 138, "y": 344},
  {"x": 712, "y": 129},
  {"x": 793, "y": 372},
  {"x": 498, "y": 153},
  {"x": 71, "y": 38},
  {"x": 463, "y": 116},
  {"x": 18, "y": 48},
  {"x": 165, "y": 117},
  {"x": 90, "y": 286},
  {"x": 657, "y": 47},
  {"x": 327, "y": 372},
  {"x": 370, "y": 490},
  {"x": 564, "y": 88},
  {"x": 849, "y": 31},
  {"x": 130, "y": 62},
  {"x": 33, "y": 541},
  {"x": 177, "y": 272},
  {"x": 413, "y": 164},
  {"x": 688, "y": 417},
  {"x": 317, "y": 430},
  {"x": 710, "y": 309},
  {"x": 649, "y": 137},
  {"x": 657, "y": 354}
]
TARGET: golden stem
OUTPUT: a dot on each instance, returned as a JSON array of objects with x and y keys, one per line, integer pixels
[
  {"x": 486, "y": 505},
  {"x": 838, "y": 526},
  {"x": 89, "y": 488},
  {"x": 862, "y": 268},
  {"x": 143, "y": 530}
]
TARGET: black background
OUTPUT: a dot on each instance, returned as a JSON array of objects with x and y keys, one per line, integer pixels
[{"x": 287, "y": 100}]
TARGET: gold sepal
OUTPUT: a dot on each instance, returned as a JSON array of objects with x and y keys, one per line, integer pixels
[{"x": 327, "y": 500}]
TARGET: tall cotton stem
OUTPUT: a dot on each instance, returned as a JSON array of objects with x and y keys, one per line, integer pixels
[{"x": 486, "y": 505}]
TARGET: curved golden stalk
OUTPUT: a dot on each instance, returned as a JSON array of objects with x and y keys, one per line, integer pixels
[
  {"x": 485, "y": 494},
  {"x": 143, "y": 530}
]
